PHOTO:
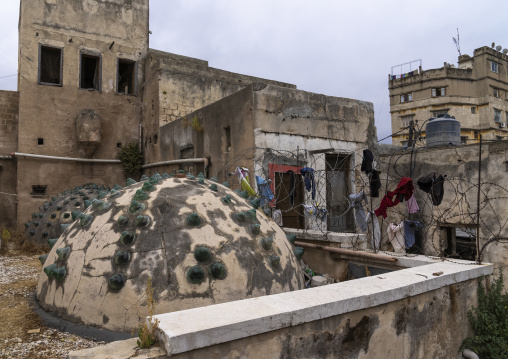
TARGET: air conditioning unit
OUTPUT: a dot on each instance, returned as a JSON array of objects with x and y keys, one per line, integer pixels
[{"x": 502, "y": 125}]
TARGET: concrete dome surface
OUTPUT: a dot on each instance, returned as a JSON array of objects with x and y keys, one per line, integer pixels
[{"x": 199, "y": 241}]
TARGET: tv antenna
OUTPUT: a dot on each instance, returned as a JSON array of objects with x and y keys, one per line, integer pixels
[{"x": 456, "y": 41}]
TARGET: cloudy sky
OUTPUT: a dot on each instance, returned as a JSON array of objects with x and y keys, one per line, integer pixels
[{"x": 335, "y": 47}]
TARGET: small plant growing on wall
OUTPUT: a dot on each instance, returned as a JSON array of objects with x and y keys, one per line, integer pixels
[
  {"x": 146, "y": 334},
  {"x": 490, "y": 322},
  {"x": 194, "y": 123},
  {"x": 4, "y": 240},
  {"x": 131, "y": 157}
]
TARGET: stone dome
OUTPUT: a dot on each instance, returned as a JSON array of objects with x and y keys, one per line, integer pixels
[{"x": 199, "y": 241}]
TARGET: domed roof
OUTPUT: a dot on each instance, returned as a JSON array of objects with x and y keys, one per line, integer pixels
[{"x": 199, "y": 241}]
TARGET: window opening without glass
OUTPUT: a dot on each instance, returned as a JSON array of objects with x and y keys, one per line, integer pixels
[
  {"x": 50, "y": 65},
  {"x": 90, "y": 72},
  {"x": 126, "y": 77}
]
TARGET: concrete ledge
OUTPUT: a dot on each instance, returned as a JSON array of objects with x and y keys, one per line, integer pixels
[
  {"x": 358, "y": 241},
  {"x": 191, "y": 329}
]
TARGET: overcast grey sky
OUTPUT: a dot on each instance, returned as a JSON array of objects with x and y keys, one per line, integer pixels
[{"x": 337, "y": 48}]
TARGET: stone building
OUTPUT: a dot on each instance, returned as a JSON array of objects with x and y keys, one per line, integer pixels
[
  {"x": 475, "y": 93},
  {"x": 84, "y": 91}
]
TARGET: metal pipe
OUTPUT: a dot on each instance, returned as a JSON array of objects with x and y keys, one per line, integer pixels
[
  {"x": 478, "y": 254},
  {"x": 94, "y": 160},
  {"x": 175, "y": 162},
  {"x": 365, "y": 255}
]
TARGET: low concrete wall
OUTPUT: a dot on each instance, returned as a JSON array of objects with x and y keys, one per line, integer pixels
[{"x": 419, "y": 312}]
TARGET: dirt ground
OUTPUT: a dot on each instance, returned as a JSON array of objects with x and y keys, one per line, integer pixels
[{"x": 22, "y": 332}]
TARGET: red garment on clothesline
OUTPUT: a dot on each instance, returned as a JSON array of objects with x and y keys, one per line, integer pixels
[{"x": 404, "y": 189}]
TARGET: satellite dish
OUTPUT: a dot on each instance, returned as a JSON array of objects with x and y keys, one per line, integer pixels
[
  {"x": 493, "y": 45},
  {"x": 505, "y": 51},
  {"x": 499, "y": 47}
]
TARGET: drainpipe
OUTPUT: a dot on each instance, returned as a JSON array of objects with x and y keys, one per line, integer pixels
[
  {"x": 469, "y": 354},
  {"x": 175, "y": 162},
  {"x": 93, "y": 160},
  {"x": 364, "y": 255}
]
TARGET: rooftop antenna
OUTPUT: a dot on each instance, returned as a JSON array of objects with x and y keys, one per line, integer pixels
[
  {"x": 499, "y": 47},
  {"x": 456, "y": 41}
]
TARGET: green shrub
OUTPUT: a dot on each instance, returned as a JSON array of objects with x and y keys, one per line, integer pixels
[
  {"x": 146, "y": 334},
  {"x": 131, "y": 157},
  {"x": 490, "y": 322}
]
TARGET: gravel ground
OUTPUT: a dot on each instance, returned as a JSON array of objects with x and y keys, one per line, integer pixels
[{"x": 18, "y": 279}]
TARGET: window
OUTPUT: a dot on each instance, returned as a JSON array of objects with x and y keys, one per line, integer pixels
[
  {"x": 228, "y": 138},
  {"x": 50, "y": 65},
  {"x": 494, "y": 67},
  {"x": 438, "y": 91},
  {"x": 126, "y": 79},
  {"x": 90, "y": 75},
  {"x": 497, "y": 116},
  {"x": 463, "y": 140},
  {"x": 496, "y": 92},
  {"x": 476, "y": 135},
  {"x": 38, "y": 190},
  {"x": 406, "y": 120},
  {"x": 438, "y": 113},
  {"x": 460, "y": 241},
  {"x": 407, "y": 97},
  {"x": 473, "y": 110},
  {"x": 404, "y": 143},
  {"x": 40, "y": 141}
]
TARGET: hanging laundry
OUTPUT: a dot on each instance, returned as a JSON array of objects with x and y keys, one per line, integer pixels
[
  {"x": 292, "y": 187},
  {"x": 376, "y": 233},
  {"x": 367, "y": 163},
  {"x": 264, "y": 190},
  {"x": 242, "y": 174},
  {"x": 277, "y": 217},
  {"x": 375, "y": 184},
  {"x": 321, "y": 213},
  {"x": 396, "y": 237},
  {"x": 432, "y": 183},
  {"x": 412, "y": 206},
  {"x": 410, "y": 227},
  {"x": 308, "y": 179},
  {"x": 404, "y": 191},
  {"x": 356, "y": 202}
]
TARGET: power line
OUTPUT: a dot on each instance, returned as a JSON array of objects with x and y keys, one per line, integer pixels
[{"x": 3, "y": 77}]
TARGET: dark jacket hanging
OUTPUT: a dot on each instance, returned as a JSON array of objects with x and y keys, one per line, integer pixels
[{"x": 433, "y": 183}]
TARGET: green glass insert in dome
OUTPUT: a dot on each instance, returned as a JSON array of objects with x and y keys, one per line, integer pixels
[
  {"x": 63, "y": 253},
  {"x": 59, "y": 273},
  {"x": 214, "y": 179},
  {"x": 27, "y": 224},
  {"x": 165, "y": 176},
  {"x": 136, "y": 207},
  {"x": 201, "y": 181},
  {"x": 51, "y": 242},
  {"x": 64, "y": 226},
  {"x": 291, "y": 238},
  {"x": 158, "y": 176},
  {"x": 115, "y": 193},
  {"x": 226, "y": 184},
  {"x": 42, "y": 258},
  {"x": 76, "y": 215},
  {"x": 256, "y": 203},
  {"x": 45, "y": 234},
  {"x": 140, "y": 195},
  {"x": 239, "y": 216},
  {"x": 32, "y": 232},
  {"x": 53, "y": 215},
  {"x": 127, "y": 237},
  {"x": 49, "y": 224},
  {"x": 200, "y": 175},
  {"x": 274, "y": 261},
  {"x": 195, "y": 275},
  {"x": 193, "y": 219},
  {"x": 102, "y": 194},
  {"x": 242, "y": 194},
  {"x": 143, "y": 178},
  {"x": 117, "y": 187},
  {"x": 255, "y": 228},
  {"x": 130, "y": 182},
  {"x": 49, "y": 270},
  {"x": 59, "y": 208},
  {"x": 85, "y": 220},
  {"x": 122, "y": 258},
  {"x": 66, "y": 215},
  {"x": 153, "y": 180},
  {"x": 142, "y": 221},
  {"x": 148, "y": 187},
  {"x": 202, "y": 254},
  {"x": 99, "y": 205},
  {"x": 116, "y": 281},
  {"x": 226, "y": 199},
  {"x": 218, "y": 271},
  {"x": 77, "y": 204},
  {"x": 298, "y": 251},
  {"x": 251, "y": 215},
  {"x": 214, "y": 187},
  {"x": 266, "y": 244},
  {"x": 36, "y": 223},
  {"x": 122, "y": 221}
]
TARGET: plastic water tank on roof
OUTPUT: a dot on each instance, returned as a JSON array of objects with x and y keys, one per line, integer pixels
[{"x": 443, "y": 131}]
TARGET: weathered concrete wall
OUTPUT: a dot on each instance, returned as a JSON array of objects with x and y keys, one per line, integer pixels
[
  {"x": 185, "y": 85},
  {"x": 430, "y": 325},
  {"x": 234, "y": 111},
  {"x": 110, "y": 29},
  {"x": 459, "y": 204},
  {"x": 9, "y": 108}
]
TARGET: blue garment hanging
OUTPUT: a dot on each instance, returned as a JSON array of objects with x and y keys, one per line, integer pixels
[
  {"x": 410, "y": 227},
  {"x": 264, "y": 190},
  {"x": 308, "y": 178}
]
